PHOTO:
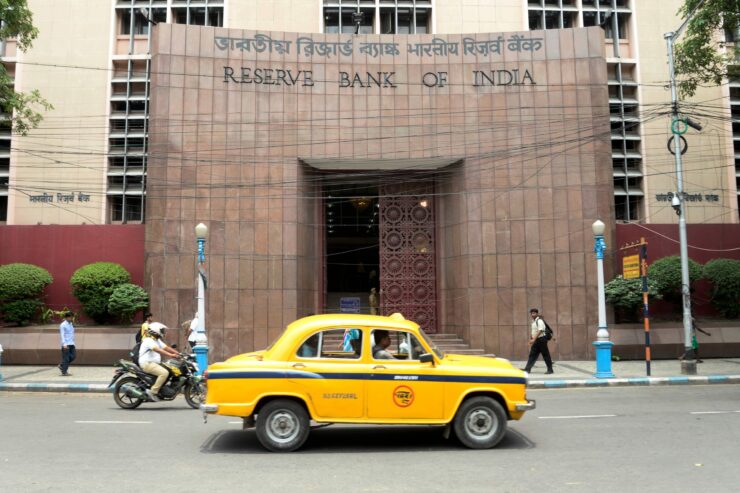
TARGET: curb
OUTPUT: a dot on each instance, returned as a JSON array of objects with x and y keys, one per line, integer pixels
[
  {"x": 631, "y": 382},
  {"x": 99, "y": 388}
]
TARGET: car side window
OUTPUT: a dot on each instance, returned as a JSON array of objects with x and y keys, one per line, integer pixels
[
  {"x": 396, "y": 344},
  {"x": 409, "y": 347},
  {"x": 334, "y": 343},
  {"x": 310, "y": 347}
]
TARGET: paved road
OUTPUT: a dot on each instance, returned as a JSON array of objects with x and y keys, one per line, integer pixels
[{"x": 645, "y": 439}]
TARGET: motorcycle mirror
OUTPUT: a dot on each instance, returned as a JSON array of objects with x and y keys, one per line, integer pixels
[{"x": 174, "y": 346}]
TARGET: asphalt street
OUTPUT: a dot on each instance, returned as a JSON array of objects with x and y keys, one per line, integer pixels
[{"x": 661, "y": 439}]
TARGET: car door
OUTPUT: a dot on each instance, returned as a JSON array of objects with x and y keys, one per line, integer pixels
[
  {"x": 403, "y": 387},
  {"x": 332, "y": 377}
]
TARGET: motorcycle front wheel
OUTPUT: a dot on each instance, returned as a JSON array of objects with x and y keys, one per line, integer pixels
[
  {"x": 123, "y": 400},
  {"x": 195, "y": 394}
]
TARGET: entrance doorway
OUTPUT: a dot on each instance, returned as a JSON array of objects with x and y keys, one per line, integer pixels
[
  {"x": 381, "y": 236},
  {"x": 351, "y": 215}
]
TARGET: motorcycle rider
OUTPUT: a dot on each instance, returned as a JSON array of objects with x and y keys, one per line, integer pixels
[{"x": 150, "y": 357}]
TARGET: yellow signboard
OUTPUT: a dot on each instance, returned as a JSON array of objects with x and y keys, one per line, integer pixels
[{"x": 631, "y": 267}]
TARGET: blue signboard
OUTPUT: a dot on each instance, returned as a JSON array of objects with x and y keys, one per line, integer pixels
[{"x": 349, "y": 305}]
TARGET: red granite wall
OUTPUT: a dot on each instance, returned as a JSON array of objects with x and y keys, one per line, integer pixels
[
  {"x": 524, "y": 114},
  {"x": 62, "y": 249}
]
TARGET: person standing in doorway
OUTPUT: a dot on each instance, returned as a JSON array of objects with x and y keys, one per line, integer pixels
[
  {"x": 69, "y": 353},
  {"x": 538, "y": 342}
]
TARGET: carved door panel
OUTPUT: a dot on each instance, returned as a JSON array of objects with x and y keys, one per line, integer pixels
[{"x": 407, "y": 254}]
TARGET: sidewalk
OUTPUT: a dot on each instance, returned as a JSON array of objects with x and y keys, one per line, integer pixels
[{"x": 567, "y": 374}]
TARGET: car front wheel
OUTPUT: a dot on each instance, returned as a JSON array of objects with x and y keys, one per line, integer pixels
[
  {"x": 480, "y": 423},
  {"x": 282, "y": 425}
]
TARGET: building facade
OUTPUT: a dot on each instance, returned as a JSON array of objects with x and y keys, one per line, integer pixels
[{"x": 298, "y": 162}]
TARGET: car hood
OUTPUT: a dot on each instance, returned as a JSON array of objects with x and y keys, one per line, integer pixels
[
  {"x": 468, "y": 361},
  {"x": 255, "y": 355}
]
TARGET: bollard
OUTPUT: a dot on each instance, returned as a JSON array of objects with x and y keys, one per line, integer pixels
[
  {"x": 201, "y": 356},
  {"x": 603, "y": 359},
  {"x": 1, "y": 362}
]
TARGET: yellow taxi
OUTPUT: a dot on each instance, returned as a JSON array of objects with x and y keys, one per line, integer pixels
[{"x": 348, "y": 368}]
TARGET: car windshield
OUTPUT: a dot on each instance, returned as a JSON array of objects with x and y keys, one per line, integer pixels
[{"x": 440, "y": 354}]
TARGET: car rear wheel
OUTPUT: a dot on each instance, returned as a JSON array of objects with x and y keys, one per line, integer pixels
[
  {"x": 480, "y": 423},
  {"x": 282, "y": 425}
]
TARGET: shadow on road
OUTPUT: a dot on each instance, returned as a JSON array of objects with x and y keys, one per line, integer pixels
[{"x": 359, "y": 439}]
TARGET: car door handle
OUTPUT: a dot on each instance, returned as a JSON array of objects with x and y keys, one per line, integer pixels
[
  {"x": 299, "y": 365},
  {"x": 378, "y": 367}
]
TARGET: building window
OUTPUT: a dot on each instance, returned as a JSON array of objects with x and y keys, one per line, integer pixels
[
  {"x": 624, "y": 106},
  {"x": 125, "y": 208},
  {"x": 378, "y": 16},
  {"x": 735, "y": 113},
  {"x": 562, "y": 14},
  {"x": 6, "y": 137},
  {"x": 199, "y": 16},
  {"x": 140, "y": 24}
]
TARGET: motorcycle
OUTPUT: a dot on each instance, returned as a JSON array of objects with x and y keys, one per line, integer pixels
[{"x": 131, "y": 382}]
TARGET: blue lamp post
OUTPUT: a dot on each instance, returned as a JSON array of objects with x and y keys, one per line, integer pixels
[
  {"x": 603, "y": 345},
  {"x": 201, "y": 341}
]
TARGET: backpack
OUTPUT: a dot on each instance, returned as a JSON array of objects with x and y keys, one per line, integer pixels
[
  {"x": 134, "y": 353},
  {"x": 548, "y": 330}
]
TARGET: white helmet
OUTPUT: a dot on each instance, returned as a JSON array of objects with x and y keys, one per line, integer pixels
[{"x": 157, "y": 329}]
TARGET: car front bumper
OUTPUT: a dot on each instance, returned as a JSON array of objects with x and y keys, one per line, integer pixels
[
  {"x": 530, "y": 405},
  {"x": 209, "y": 408}
]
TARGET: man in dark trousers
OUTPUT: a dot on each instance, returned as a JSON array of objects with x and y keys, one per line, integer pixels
[
  {"x": 67, "y": 333},
  {"x": 538, "y": 342}
]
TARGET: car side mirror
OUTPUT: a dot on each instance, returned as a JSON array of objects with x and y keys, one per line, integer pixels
[{"x": 427, "y": 358}]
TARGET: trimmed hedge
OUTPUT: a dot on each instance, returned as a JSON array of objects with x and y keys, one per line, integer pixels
[
  {"x": 22, "y": 281},
  {"x": 21, "y": 287},
  {"x": 724, "y": 274},
  {"x": 93, "y": 285},
  {"x": 126, "y": 300},
  {"x": 666, "y": 273},
  {"x": 625, "y": 295}
]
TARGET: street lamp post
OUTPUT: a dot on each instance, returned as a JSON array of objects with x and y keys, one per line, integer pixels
[
  {"x": 602, "y": 344},
  {"x": 201, "y": 341},
  {"x": 678, "y": 127}
]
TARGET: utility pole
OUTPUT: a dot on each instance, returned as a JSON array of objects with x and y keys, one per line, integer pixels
[{"x": 679, "y": 126}]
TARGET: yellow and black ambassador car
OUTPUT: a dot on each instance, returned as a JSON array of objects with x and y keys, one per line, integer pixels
[{"x": 364, "y": 369}]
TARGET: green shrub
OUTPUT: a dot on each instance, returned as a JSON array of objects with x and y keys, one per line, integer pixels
[
  {"x": 666, "y": 273},
  {"x": 93, "y": 284},
  {"x": 21, "y": 286},
  {"x": 126, "y": 300},
  {"x": 21, "y": 311},
  {"x": 724, "y": 274},
  {"x": 625, "y": 295},
  {"x": 22, "y": 281}
]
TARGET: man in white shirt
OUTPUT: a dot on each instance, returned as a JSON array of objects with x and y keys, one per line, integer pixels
[
  {"x": 538, "y": 342},
  {"x": 150, "y": 356},
  {"x": 69, "y": 353},
  {"x": 193, "y": 331}
]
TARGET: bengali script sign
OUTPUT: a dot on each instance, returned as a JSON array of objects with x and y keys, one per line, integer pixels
[{"x": 309, "y": 47}]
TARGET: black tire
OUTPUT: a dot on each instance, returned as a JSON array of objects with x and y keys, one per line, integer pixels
[
  {"x": 480, "y": 423},
  {"x": 282, "y": 425},
  {"x": 120, "y": 396},
  {"x": 195, "y": 394}
]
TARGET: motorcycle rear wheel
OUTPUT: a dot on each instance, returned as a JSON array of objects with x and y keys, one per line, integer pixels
[
  {"x": 195, "y": 394},
  {"x": 124, "y": 401}
]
